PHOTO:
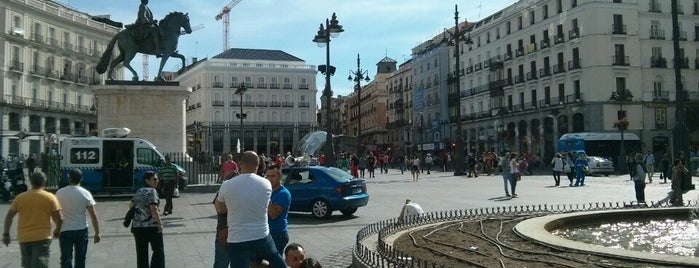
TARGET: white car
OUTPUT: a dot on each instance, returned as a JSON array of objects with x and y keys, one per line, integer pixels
[{"x": 599, "y": 165}]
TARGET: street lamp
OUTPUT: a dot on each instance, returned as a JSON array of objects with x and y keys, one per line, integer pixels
[
  {"x": 621, "y": 96},
  {"x": 357, "y": 77},
  {"x": 455, "y": 38},
  {"x": 240, "y": 90},
  {"x": 331, "y": 29}
]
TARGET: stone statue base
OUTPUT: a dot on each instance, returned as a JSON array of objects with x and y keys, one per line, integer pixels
[{"x": 155, "y": 112}]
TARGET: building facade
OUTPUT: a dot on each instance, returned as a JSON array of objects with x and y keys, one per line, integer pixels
[
  {"x": 278, "y": 107},
  {"x": 48, "y": 66},
  {"x": 400, "y": 110},
  {"x": 539, "y": 69}
]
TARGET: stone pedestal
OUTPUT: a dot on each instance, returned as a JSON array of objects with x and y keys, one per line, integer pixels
[{"x": 155, "y": 112}]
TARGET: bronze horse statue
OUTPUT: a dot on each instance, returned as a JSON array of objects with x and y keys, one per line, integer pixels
[{"x": 128, "y": 46}]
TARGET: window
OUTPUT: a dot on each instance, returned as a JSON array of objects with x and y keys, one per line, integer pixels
[
  {"x": 559, "y": 6},
  {"x": 545, "y": 11},
  {"x": 660, "y": 118},
  {"x": 532, "y": 18},
  {"x": 620, "y": 84},
  {"x": 573, "y": 3},
  {"x": 519, "y": 23},
  {"x": 147, "y": 156},
  {"x": 508, "y": 27}
]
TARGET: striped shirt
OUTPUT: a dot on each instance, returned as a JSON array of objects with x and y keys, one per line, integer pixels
[{"x": 168, "y": 172}]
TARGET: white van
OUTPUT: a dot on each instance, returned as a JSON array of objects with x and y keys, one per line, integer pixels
[{"x": 109, "y": 164}]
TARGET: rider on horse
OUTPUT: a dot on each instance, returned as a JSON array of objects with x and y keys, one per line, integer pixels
[{"x": 146, "y": 27}]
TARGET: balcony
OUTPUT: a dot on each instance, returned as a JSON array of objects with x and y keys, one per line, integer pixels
[
  {"x": 519, "y": 52},
  {"x": 286, "y": 86},
  {"x": 82, "y": 50},
  {"x": 217, "y": 84},
  {"x": 519, "y": 79},
  {"x": 275, "y": 104},
  {"x": 658, "y": 62},
  {"x": 684, "y": 63},
  {"x": 249, "y": 104},
  {"x": 234, "y": 103},
  {"x": 558, "y": 39},
  {"x": 531, "y": 75},
  {"x": 618, "y": 28},
  {"x": 274, "y": 85},
  {"x": 261, "y": 85},
  {"x": 469, "y": 69},
  {"x": 38, "y": 38},
  {"x": 657, "y": 34},
  {"x": 683, "y": 35},
  {"x": 486, "y": 64},
  {"x": 36, "y": 70},
  {"x": 531, "y": 48},
  {"x": 304, "y": 104},
  {"x": 545, "y": 43},
  {"x": 660, "y": 95},
  {"x": 16, "y": 66},
  {"x": 574, "y": 64},
  {"x": 217, "y": 103},
  {"x": 303, "y": 86},
  {"x": 53, "y": 42},
  {"x": 478, "y": 67},
  {"x": 559, "y": 68},
  {"x": 573, "y": 33},
  {"x": 655, "y": 7},
  {"x": 261, "y": 104},
  {"x": 620, "y": 60},
  {"x": 67, "y": 76},
  {"x": 68, "y": 46},
  {"x": 508, "y": 56}
]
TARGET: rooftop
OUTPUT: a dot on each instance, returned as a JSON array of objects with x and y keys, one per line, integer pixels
[{"x": 256, "y": 54}]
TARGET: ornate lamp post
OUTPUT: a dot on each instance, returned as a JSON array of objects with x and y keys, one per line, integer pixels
[
  {"x": 331, "y": 29},
  {"x": 357, "y": 77},
  {"x": 455, "y": 38},
  {"x": 621, "y": 96},
  {"x": 240, "y": 90}
]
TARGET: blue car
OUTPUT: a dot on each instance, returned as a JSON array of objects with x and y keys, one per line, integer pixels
[{"x": 322, "y": 190}]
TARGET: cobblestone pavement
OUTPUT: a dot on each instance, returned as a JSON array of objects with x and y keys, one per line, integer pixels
[{"x": 189, "y": 231}]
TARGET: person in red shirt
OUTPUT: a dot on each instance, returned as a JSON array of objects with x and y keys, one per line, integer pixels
[
  {"x": 229, "y": 168},
  {"x": 321, "y": 160},
  {"x": 279, "y": 160}
]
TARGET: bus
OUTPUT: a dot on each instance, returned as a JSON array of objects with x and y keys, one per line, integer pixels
[{"x": 604, "y": 144}]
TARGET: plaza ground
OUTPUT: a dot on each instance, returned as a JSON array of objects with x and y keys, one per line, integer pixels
[{"x": 189, "y": 232}]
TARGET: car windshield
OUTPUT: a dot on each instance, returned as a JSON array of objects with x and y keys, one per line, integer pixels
[{"x": 338, "y": 174}]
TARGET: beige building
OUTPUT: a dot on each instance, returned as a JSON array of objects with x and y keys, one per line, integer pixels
[
  {"x": 279, "y": 105},
  {"x": 47, "y": 67}
]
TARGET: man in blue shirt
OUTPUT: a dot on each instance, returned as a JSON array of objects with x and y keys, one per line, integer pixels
[{"x": 278, "y": 208}]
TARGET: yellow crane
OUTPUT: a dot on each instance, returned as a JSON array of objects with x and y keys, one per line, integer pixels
[{"x": 224, "y": 14}]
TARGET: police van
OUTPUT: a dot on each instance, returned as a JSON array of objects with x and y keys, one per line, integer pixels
[{"x": 111, "y": 163}]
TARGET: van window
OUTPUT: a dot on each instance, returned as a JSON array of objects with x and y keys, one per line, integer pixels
[
  {"x": 147, "y": 156},
  {"x": 84, "y": 155}
]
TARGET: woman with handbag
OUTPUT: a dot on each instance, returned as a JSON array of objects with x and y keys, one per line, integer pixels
[{"x": 146, "y": 227}]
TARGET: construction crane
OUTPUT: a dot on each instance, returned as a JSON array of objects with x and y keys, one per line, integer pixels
[
  {"x": 226, "y": 23},
  {"x": 145, "y": 56}
]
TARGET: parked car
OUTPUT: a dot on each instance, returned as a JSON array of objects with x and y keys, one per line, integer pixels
[
  {"x": 599, "y": 165},
  {"x": 322, "y": 190}
]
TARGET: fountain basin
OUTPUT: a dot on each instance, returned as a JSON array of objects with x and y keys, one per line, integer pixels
[{"x": 539, "y": 230}]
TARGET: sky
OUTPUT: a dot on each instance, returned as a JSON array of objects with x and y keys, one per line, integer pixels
[{"x": 373, "y": 28}]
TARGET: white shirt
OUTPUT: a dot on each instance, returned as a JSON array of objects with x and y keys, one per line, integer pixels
[
  {"x": 650, "y": 159},
  {"x": 411, "y": 210},
  {"x": 557, "y": 164},
  {"x": 74, "y": 201},
  {"x": 246, "y": 197}
]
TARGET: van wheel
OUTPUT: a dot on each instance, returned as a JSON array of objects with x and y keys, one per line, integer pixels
[{"x": 320, "y": 209}]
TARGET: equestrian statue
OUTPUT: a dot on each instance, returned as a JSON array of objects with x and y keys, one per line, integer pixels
[{"x": 149, "y": 37}]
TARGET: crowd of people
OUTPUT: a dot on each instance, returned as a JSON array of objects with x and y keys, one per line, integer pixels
[{"x": 251, "y": 207}]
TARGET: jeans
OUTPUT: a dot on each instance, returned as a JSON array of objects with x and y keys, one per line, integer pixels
[
  {"x": 557, "y": 177},
  {"x": 168, "y": 191},
  {"x": 280, "y": 240},
  {"x": 506, "y": 180},
  {"x": 640, "y": 187},
  {"x": 35, "y": 254},
  {"x": 143, "y": 237},
  {"x": 241, "y": 253},
  {"x": 221, "y": 259},
  {"x": 74, "y": 239},
  {"x": 580, "y": 174},
  {"x": 513, "y": 183}
]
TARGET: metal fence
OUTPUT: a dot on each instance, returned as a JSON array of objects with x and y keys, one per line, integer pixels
[
  {"x": 201, "y": 169},
  {"x": 386, "y": 255}
]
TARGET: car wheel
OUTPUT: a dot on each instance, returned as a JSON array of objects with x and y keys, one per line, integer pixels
[
  {"x": 348, "y": 212},
  {"x": 320, "y": 209}
]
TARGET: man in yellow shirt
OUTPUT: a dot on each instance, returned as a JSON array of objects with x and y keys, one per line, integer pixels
[{"x": 36, "y": 208}]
